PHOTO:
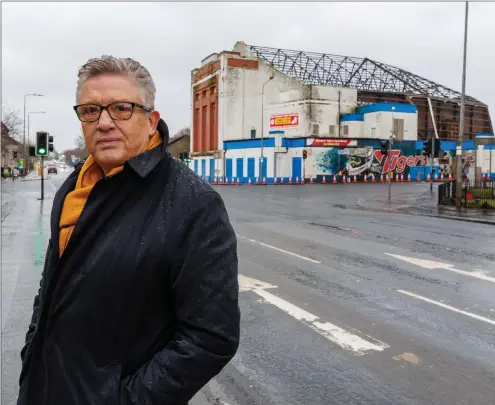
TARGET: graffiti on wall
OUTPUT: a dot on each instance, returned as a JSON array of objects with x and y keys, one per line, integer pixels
[
  {"x": 367, "y": 161},
  {"x": 364, "y": 161}
]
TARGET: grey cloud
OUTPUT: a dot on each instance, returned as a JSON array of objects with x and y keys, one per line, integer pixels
[{"x": 43, "y": 44}]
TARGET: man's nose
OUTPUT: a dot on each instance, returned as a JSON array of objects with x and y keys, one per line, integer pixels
[{"x": 105, "y": 122}]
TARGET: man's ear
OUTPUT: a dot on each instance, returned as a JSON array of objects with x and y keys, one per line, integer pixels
[{"x": 154, "y": 118}]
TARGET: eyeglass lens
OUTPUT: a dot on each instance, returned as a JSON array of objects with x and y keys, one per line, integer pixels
[{"x": 117, "y": 111}]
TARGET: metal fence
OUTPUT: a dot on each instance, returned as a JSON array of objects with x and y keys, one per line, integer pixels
[{"x": 479, "y": 194}]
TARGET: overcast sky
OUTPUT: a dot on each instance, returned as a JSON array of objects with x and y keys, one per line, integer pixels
[{"x": 44, "y": 44}]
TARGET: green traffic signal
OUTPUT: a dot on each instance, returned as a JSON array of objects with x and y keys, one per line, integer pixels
[{"x": 41, "y": 151}]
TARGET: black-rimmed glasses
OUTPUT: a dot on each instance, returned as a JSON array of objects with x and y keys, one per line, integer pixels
[{"x": 120, "y": 110}]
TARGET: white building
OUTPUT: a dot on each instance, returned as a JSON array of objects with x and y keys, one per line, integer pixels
[{"x": 244, "y": 110}]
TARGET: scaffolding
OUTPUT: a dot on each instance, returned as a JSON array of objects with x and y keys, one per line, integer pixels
[{"x": 363, "y": 74}]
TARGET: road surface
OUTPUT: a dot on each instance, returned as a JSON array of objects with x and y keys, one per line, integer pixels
[{"x": 339, "y": 305}]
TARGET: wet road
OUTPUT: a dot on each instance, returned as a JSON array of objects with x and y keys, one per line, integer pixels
[{"x": 339, "y": 305}]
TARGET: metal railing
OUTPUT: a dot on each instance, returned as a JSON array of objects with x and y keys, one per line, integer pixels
[{"x": 479, "y": 194}]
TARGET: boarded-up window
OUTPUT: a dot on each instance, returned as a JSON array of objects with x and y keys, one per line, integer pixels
[
  {"x": 398, "y": 129},
  {"x": 345, "y": 130},
  {"x": 331, "y": 129}
]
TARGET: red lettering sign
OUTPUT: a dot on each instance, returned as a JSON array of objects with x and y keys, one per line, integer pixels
[{"x": 399, "y": 163}]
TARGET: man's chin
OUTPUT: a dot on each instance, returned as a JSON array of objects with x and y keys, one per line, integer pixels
[{"x": 109, "y": 159}]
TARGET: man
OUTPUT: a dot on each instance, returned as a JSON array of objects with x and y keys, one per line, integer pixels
[{"x": 138, "y": 301}]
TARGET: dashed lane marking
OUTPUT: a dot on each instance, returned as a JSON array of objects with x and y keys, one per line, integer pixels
[
  {"x": 334, "y": 333},
  {"x": 441, "y": 304},
  {"x": 280, "y": 250}
]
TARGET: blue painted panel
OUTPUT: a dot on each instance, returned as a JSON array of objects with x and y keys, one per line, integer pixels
[
  {"x": 196, "y": 166},
  {"x": 212, "y": 168},
  {"x": 296, "y": 168},
  {"x": 267, "y": 143},
  {"x": 450, "y": 145},
  {"x": 379, "y": 107},
  {"x": 249, "y": 144},
  {"x": 240, "y": 167},
  {"x": 293, "y": 142},
  {"x": 229, "y": 168},
  {"x": 250, "y": 167},
  {"x": 352, "y": 117},
  {"x": 263, "y": 167},
  {"x": 203, "y": 167}
]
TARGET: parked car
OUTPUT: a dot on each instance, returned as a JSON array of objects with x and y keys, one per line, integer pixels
[{"x": 52, "y": 169}]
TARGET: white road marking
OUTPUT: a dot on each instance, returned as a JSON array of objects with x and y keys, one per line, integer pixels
[
  {"x": 459, "y": 311},
  {"x": 280, "y": 250},
  {"x": 334, "y": 333},
  {"x": 430, "y": 264}
]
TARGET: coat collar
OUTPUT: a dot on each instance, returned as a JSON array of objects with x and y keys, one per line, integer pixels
[{"x": 144, "y": 163}]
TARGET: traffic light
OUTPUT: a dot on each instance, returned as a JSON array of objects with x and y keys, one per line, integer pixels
[
  {"x": 50, "y": 143},
  {"x": 437, "y": 147},
  {"x": 32, "y": 151},
  {"x": 384, "y": 147},
  {"x": 41, "y": 143},
  {"x": 305, "y": 154},
  {"x": 15, "y": 154},
  {"x": 427, "y": 147},
  {"x": 184, "y": 156}
]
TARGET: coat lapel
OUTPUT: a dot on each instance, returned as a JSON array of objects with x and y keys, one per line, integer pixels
[
  {"x": 58, "y": 203},
  {"x": 102, "y": 203}
]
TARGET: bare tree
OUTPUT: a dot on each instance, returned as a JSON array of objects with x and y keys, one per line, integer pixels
[
  {"x": 80, "y": 142},
  {"x": 181, "y": 132},
  {"x": 13, "y": 121}
]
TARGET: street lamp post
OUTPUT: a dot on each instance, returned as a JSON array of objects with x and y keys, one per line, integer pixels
[
  {"x": 262, "y": 160},
  {"x": 29, "y": 114},
  {"x": 458, "y": 191},
  {"x": 390, "y": 173},
  {"x": 28, "y": 132},
  {"x": 24, "y": 122}
]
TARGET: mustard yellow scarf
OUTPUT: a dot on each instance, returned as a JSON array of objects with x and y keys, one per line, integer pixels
[{"x": 74, "y": 202}]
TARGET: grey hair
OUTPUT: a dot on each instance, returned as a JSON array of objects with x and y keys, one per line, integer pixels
[{"x": 125, "y": 66}]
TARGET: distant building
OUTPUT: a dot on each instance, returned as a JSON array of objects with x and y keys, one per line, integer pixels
[
  {"x": 260, "y": 112},
  {"x": 11, "y": 149},
  {"x": 179, "y": 144}
]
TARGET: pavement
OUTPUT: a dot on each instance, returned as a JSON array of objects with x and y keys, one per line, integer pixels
[
  {"x": 424, "y": 202},
  {"x": 342, "y": 302}
]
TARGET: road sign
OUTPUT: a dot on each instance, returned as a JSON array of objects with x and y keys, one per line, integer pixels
[{"x": 20, "y": 163}]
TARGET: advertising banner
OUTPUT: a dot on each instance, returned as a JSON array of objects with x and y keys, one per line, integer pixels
[
  {"x": 284, "y": 121},
  {"x": 336, "y": 142}
]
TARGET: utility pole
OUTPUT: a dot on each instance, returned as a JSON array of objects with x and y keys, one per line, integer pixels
[
  {"x": 391, "y": 139},
  {"x": 458, "y": 191},
  {"x": 432, "y": 161},
  {"x": 262, "y": 160},
  {"x": 24, "y": 130},
  {"x": 42, "y": 178},
  {"x": 390, "y": 173}
]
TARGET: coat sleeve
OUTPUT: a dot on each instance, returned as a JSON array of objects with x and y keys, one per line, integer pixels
[
  {"x": 205, "y": 293},
  {"x": 36, "y": 310}
]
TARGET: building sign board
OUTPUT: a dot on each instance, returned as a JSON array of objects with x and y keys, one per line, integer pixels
[
  {"x": 336, "y": 142},
  {"x": 284, "y": 121}
]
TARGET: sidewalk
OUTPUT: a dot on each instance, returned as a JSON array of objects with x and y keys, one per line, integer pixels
[
  {"x": 25, "y": 233},
  {"x": 33, "y": 176},
  {"x": 425, "y": 204}
]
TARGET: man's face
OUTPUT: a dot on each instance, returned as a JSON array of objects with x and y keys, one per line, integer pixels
[{"x": 113, "y": 142}]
